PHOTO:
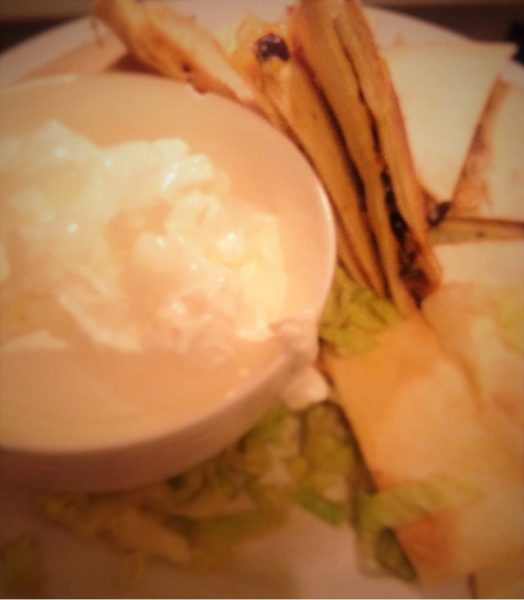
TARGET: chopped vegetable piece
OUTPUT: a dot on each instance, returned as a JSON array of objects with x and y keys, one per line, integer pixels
[
  {"x": 133, "y": 529},
  {"x": 269, "y": 428},
  {"x": 389, "y": 554},
  {"x": 221, "y": 534},
  {"x": 408, "y": 502},
  {"x": 354, "y": 316},
  {"x": 327, "y": 446},
  {"x": 270, "y": 498},
  {"x": 332, "y": 512},
  {"x": 379, "y": 513},
  {"x": 307, "y": 458}
]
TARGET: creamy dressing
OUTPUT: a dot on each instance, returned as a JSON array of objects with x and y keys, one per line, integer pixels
[{"x": 133, "y": 285}]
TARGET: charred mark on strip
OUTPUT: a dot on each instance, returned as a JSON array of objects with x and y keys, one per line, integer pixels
[
  {"x": 409, "y": 251},
  {"x": 398, "y": 225},
  {"x": 436, "y": 213},
  {"x": 271, "y": 46}
]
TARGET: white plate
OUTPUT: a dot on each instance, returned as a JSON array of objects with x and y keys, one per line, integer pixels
[{"x": 307, "y": 558}]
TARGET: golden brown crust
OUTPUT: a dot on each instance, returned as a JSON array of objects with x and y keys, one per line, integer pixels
[
  {"x": 334, "y": 73},
  {"x": 243, "y": 59},
  {"x": 297, "y": 99},
  {"x": 357, "y": 38},
  {"x": 174, "y": 45},
  {"x": 377, "y": 88},
  {"x": 473, "y": 229}
]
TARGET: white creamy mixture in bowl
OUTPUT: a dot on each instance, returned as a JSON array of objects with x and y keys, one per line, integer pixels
[{"x": 164, "y": 258}]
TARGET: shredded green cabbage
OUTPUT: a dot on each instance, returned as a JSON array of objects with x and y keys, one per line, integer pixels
[
  {"x": 377, "y": 514},
  {"x": 354, "y": 316},
  {"x": 389, "y": 555},
  {"x": 328, "y": 510},
  {"x": 326, "y": 445},
  {"x": 408, "y": 502},
  {"x": 307, "y": 459},
  {"x": 219, "y": 535},
  {"x": 288, "y": 459}
]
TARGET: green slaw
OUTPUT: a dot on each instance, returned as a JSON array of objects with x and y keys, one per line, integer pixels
[{"x": 290, "y": 460}]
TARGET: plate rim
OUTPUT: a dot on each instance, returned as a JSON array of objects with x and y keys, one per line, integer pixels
[{"x": 23, "y": 58}]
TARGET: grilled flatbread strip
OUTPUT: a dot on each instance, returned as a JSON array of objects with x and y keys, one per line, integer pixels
[
  {"x": 421, "y": 267},
  {"x": 298, "y": 101},
  {"x": 454, "y": 230},
  {"x": 310, "y": 21},
  {"x": 174, "y": 45},
  {"x": 266, "y": 61}
]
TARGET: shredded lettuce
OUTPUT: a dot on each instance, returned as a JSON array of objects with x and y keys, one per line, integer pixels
[
  {"x": 405, "y": 503},
  {"x": 269, "y": 428},
  {"x": 288, "y": 459},
  {"x": 379, "y": 513},
  {"x": 328, "y": 510},
  {"x": 327, "y": 447},
  {"x": 354, "y": 316},
  {"x": 307, "y": 459},
  {"x": 390, "y": 556},
  {"x": 220, "y": 534}
]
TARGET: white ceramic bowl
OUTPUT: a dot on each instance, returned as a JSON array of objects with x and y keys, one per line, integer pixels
[{"x": 261, "y": 163}]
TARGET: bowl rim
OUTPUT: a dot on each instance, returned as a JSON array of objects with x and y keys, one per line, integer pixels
[{"x": 274, "y": 365}]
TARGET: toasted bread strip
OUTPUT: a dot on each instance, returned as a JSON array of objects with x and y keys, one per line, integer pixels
[
  {"x": 290, "y": 88},
  {"x": 453, "y": 230},
  {"x": 346, "y": 254},
  {"x": 260, "y": 51},
  {"x": 239, "y": 50},
  {"x": 375, "y": 83},
  {"x": 310, "y": 21},
  {"x": 174, "y": 45}
]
